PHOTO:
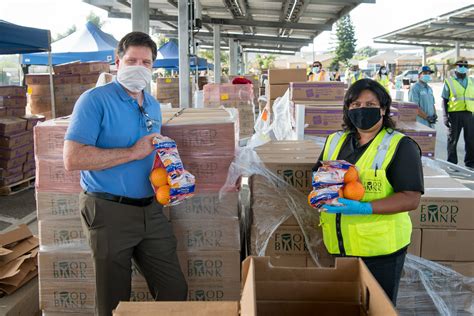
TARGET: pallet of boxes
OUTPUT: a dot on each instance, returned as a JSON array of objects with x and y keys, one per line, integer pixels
[
  {"x": 206, "y": 227},
  {"x": 17, "y": 165},
  {"x": 279, "y": 82},
  {"x": 69, "y": 80},
  {"x": 233, "y": 96},
  {"x": 255, "y": 83}
]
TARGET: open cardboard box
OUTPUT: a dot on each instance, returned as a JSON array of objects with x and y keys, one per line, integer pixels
[{"x": 347, "y": 289}]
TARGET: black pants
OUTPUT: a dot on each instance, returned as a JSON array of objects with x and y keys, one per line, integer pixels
[
  {"x": 459, "y": 121},
  {"x": 119, "y": 232},
  {"x": 387, "y": 270}
]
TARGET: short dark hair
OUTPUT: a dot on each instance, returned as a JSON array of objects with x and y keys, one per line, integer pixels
[
  {"x": 136, "y": 39},
  {"x": 354, "y": 92},
  {"x": 317, "y": 62}
]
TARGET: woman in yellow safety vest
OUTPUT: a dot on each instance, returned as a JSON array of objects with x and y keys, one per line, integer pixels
[
  {"x": 378, "y": 228},
  {"x": 383, "y": 78},
  {"x": 318, "y": 73}
]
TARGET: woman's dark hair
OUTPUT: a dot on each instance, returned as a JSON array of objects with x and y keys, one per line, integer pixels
[
  {"x": 380, "y": 70},
  {"x": 353, "y": 94},
  {"x": 136, "y": 39}
]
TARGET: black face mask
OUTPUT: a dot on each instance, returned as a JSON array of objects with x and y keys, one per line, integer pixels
[
  {"x": 460, "y": 75},
  {"x": 364, "y": 118}
]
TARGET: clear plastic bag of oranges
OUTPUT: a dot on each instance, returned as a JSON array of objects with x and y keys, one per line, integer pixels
[{"x": 170, "y": 181}]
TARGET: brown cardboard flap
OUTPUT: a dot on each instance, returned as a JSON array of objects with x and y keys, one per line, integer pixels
[
  {"x": 9, "y": 289},
  {"x": 12, "y": 268},
  {"x": 20, "y": 249},
  {"x": 20, "y": 233},
  {"x": 177, "y": 308},
  {"x": 272, "y": 308},
  {"x": 26, "y": 267}
]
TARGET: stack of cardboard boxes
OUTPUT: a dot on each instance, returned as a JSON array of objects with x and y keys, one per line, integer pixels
[
  {"x": 443, "y": 223},
  {"x": 17, "y": 164},
  {"x": 18, "y": 254},
  {"x": 70, "y": 81},
  {"x": 279, "y": 80},
  {"x": 238, "y": 96},
  {"x": 167, "y": 91},
  {"x": 255, "y": 82},
  {"x": 206, "y": 227},
  {"x": 12, "y": 101},
  {"x": 292, "y": 161},
  {"x": 66, "y": 274}
]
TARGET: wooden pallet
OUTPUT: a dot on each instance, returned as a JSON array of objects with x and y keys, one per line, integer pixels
[{"x": 17, "y": 187}]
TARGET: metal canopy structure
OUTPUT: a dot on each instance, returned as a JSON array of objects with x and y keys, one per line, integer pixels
[
  {"x": 452, "y": 29},
  {"x": 267, "y": 26}
]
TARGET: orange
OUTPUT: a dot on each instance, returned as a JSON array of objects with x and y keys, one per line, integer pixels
[
  {"x": 341, "y": 192},
  {"x": 163, "y": 194},
  {"x": 354, "y": 190},
  {"x": 311, "y": 194},
  {"x": 159, "y": 177},
  {"x": 351, "y": 175}
]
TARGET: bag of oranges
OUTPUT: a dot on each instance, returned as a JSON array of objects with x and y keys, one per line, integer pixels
[
  {"x": 334, "y": 179},
  {"x": 170, "y": 181}
]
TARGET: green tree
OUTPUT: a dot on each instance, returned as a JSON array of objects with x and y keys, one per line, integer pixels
[
  {"x": 346, "y": 41},
  {"x": 431, "y": 51},
  {"x": 367, "y": 51},
  {"x": 95, "y": 19},
  {"x": 264, "y": 61},
  {"x": 68, "y": 32},
  {"x": 209, "y": 55}
]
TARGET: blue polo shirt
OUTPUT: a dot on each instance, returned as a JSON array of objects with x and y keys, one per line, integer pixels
[
  {"x": 107, "y": 117},
  {"x": 422, "y": 94}
]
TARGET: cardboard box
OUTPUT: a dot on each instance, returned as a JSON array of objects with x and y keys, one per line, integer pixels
[
  {"x": 5, "y": 173},
  {"x": 57, "y": 206},
  {"x": 317, "y": 91},
  {"x": 465, "y": 268},
  {"x": 444, "y": 184},
  {"x": 287, "y": 241},
  {"x": 177, "y": 308},
  {"x": 285, "y": 76},
  {"x": 13, "y": 101},
  {"x": 207, "y": 235},
  {"x": 12, "y": 91},
  {"x": 226, "y": 291},
  {"x": 276, "y": 90},
  {"x": 433, "y": 172},
  {"x": 65, "y": 68},
  {"x": 210, "y": 171},
  {"x": 12, "y": 153},
  {"x": 61, "y": 234},
  {"x": 444, "y": 209},
  {"x": 207, "y": 205},
  {"x": 11, "y": 125},
  {"x": 407, "y": 111},
  {"x": 90, "y": 67},
  {"x": 415, "y": 245},
  {"x": 323, "y": 118},
  {"x": 51, "y": 176},
  {"x": 66, "y": 266},
  {"x": 210, "y": 266},
  {"x": 16, "y": 140},
  {"x": 32, "y": 120},
  {"x": 67, "y": 297},
  {"x": 342, "y": 290},
  {"x": 423, "y": 135},
  {"x": 49, "y": 138},
  {"x": 12, "y": 163},
  {"x": 447, "y": 245}
]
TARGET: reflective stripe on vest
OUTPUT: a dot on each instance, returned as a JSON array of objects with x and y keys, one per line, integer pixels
[
  {"x": 384, "y": 81},
  {"x": 460, "y": 98},
  {"x": 333, "y": 141},
  {"x": 369, "y": 235}
]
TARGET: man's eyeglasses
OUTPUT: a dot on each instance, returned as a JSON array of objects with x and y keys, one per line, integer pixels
[{"x": 148, "y": 120}]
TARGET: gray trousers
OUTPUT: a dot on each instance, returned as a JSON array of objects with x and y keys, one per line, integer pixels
[{"x": 119, "y": 232}]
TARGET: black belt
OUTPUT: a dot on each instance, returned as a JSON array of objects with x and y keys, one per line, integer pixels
[{"x": 122, "y": 199}]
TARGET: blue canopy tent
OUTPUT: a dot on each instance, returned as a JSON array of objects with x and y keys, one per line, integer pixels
[
  {"x": 87, "y": 44},
  {"x": 168, "y": 58},
  {"x": 18, "y": 39}
]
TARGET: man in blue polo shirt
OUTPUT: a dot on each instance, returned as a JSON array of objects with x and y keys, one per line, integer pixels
[{"x": 110, "y": 141}]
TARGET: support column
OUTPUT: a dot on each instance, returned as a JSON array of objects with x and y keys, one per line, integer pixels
[
  {"x": 423, "y": 58},
  {"x": 457, "y": 51},
  {"x": 232, "y": 57},
  {"x": 183, "y": 42},
  {"x": 245, "y": 62},
  {"x": 141, "y": 16},
  {"x": 217, "y": 53}
]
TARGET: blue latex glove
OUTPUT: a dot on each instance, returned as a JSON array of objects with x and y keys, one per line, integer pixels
[{"x": 350, "y": 207}]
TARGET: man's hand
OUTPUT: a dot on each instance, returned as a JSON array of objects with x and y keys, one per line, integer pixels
[
  {"x": 349, "y": 207},
  {"x": 447, "y": 122},
  {"x": 143, "y": 147}
]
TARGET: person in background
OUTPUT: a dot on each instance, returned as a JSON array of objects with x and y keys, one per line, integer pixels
[
  {"x": 422, "y": 94},
  {"x": 383, "y": 78},
  {"x": 318, "y": 73},
  {"x": 354, "y": 75},
  {"x": 109, "y": 140},
  {"x": 336, "y": 75},
  {"x": 378, "y": 228},
  {"x": 458, "y": 106}
]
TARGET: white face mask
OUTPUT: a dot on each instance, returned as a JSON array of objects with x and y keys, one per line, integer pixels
[{"x": 134, "y": 78}]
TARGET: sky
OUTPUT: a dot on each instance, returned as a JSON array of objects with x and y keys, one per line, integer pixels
[{"x": 370, "y": 20}]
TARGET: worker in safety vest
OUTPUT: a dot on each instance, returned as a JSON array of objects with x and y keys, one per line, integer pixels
[
  {"x": 318, "y": 73},
  {"x": 383, "y": 78},
  {"x": 422, "y": 94},
  {"x": 354, "y": 75},
  {"x": 458, "y": 101},
  {"x": 378, "y": 228}
]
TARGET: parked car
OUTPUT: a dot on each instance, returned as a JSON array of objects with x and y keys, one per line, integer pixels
[{"x": 408, "y": 76}]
